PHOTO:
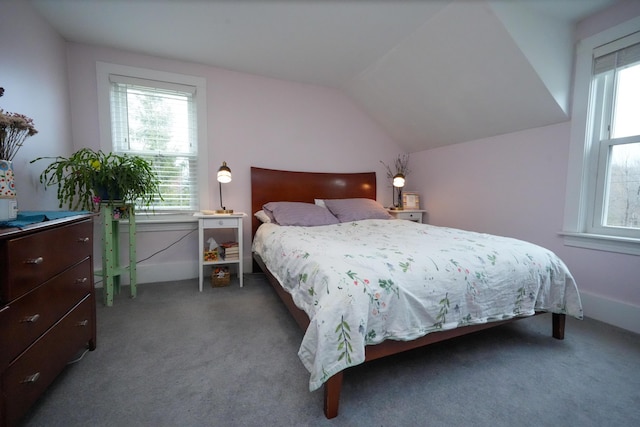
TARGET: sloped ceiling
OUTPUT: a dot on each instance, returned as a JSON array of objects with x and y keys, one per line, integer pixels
[{"x": 430, "y": 72}]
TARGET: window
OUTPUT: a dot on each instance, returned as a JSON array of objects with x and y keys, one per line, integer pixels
[
  {"x": 157, "y": 116},
  {"x": 615, "y": 130},
  {"x": 603, "y": 183}
]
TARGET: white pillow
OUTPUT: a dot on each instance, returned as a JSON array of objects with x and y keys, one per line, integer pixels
[{"x": 262, "y": 216}]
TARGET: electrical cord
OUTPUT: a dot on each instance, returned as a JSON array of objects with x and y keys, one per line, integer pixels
[{"x": 161, "y": 250}]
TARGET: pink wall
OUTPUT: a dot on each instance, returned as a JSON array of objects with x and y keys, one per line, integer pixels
[
  {"x": 514, "y": 185},
  {"x": 252, "y": 121},
  {"x": 33, "y": 72}
]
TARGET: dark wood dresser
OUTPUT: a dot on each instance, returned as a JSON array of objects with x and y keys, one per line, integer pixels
[{"x": 47, "y": 307}]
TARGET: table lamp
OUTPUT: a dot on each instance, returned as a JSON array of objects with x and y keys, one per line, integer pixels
[
  {"x": 398, "y": 182},
  {"x": 224, "y": 176}
]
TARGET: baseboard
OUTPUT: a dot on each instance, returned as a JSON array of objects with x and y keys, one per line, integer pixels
[
  {"x": 164, "y": 272},
  {"x": 616, "y": 313},
  {"x": 154, "y": 273}
]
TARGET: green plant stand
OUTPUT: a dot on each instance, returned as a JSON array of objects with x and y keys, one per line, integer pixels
[{"x": 112, "y": 213}]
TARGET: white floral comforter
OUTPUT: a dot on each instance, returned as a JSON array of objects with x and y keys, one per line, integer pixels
[{"x": 367, "y": 281}]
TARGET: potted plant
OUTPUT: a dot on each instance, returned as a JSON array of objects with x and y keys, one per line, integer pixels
[{"x": 88, "y": 177}]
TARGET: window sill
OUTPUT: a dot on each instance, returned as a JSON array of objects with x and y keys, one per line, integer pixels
[
  {"x": 146, "y": 222},
  {"x": 623, "y": 245}
]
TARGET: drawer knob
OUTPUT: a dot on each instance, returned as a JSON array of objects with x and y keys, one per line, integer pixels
[
  {"x": 30, "y": 379},
  {"x": 30, "y": 319},
  {"x": 83, "y": 239},
  {"x": 81, "y": 280},
  {"x": 82, "y": 323},
  {"x": 38, "y": 260}
]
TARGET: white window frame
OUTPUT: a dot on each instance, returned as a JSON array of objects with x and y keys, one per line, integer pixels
[
  {"x": 583, "y": 167},
  {"x": 103, "y": 70}
]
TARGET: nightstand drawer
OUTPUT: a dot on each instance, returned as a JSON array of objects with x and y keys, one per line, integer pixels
[
  {"x": 411, "y": 216},
  {"x": 408, "y": 215},
  {"x": 221, "y": 222}
]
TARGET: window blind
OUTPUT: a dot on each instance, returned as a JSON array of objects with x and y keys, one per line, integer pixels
[
  {"x": 157, "y": 121},
  {"x": 614, "y": 55}
]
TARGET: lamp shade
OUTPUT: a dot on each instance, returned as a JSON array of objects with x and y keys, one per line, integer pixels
[
  {"x": 398, "y": 180},
  {"x": 224, "y": 173}
]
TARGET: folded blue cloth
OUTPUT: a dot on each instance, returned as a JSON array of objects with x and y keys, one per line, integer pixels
[{"x": 26, "y": 218}]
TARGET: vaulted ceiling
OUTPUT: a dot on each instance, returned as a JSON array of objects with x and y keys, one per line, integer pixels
[{"x": 430, "y": 72}]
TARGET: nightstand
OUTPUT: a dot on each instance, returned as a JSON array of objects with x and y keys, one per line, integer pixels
[
  {"x": 414, "y": 215},
  {"x": 218, "y": 222}
]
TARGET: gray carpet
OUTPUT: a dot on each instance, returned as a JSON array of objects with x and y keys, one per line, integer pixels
[{"x": 227, "y": 357}]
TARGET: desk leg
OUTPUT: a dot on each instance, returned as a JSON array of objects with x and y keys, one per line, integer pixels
[
  {"x": 107, "y": 257},
  {"x": 133, "y": 285},
  {"x": 200, "y": 256}
]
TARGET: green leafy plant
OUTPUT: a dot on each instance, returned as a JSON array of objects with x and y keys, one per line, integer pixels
[{"x": 88, "y": 177}]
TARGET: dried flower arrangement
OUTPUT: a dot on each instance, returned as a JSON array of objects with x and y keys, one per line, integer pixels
[
  {"x": 401, "y": 165},
  {"x": 14, "y": 129}
]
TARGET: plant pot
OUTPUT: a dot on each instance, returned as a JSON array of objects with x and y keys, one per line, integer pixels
[{"x": 104, "y": 196}]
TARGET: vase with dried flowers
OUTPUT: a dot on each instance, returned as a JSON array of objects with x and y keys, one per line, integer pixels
[{"x": 15, "y": 128}]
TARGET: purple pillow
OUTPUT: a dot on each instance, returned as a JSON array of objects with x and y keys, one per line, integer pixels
[
  {"x": 298, "y": 213},
  {"x": 356, "y": 209}
]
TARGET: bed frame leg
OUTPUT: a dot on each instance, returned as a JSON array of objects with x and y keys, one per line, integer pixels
[
  {"x": 558, "y": 325},
  {"x": 332, "y": 389}
]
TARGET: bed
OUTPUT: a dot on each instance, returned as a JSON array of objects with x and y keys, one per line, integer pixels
[{"x": 386, "y": 297}]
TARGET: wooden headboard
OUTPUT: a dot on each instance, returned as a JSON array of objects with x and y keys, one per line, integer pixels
[{"x": 269, "y": 185}]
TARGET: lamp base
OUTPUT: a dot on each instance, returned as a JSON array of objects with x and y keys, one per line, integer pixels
[
  {"x": 224, "y": 211},
  {"x": 396, "y": 208}
]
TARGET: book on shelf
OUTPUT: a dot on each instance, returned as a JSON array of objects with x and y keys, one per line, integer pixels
[{"x": 230, "y": 251}]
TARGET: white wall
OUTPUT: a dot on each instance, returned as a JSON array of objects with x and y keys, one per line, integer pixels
[{"x": 33, "y": 72}]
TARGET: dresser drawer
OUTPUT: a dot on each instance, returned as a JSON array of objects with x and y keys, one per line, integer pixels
[
  {"x": 26, "y": 318},
  {"x": 34, "y": 258},
  {"x": 29, "y": 375}
]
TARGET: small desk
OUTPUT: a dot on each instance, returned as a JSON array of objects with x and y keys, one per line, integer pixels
[
  {"x": 415, "y": 215},
  {"x": 219, "y": 221},
  {"x": 112, "y": 214}
]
